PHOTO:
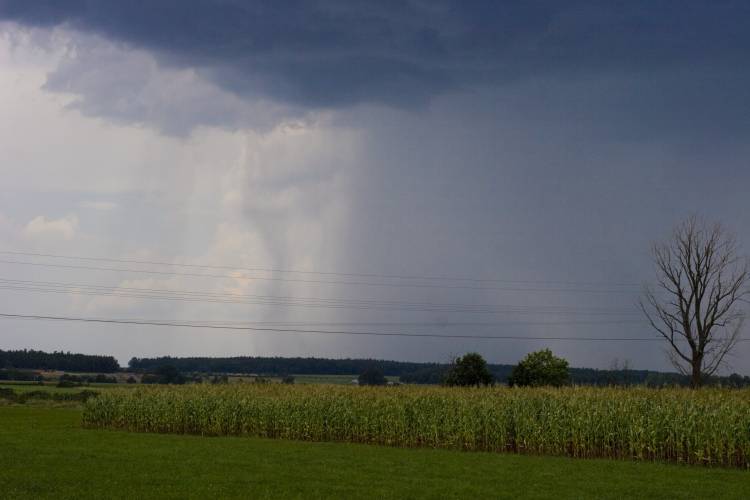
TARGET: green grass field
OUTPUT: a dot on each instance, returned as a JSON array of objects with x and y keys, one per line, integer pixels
[
  {"x": 51, "y": 388},
  {"x": 45, "y": 453}
]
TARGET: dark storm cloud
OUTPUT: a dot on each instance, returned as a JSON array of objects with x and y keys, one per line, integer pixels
[
  {"x": 560, "y": 140},
  {"x": 402, "y": 53}
]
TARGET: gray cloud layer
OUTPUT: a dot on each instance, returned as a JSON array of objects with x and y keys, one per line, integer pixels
[
  {"x": 531, "y": 141},
  {"x": 339, "y": 53}
]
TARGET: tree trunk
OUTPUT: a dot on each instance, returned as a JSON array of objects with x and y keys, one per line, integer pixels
[{"x": 695, "y": 380}]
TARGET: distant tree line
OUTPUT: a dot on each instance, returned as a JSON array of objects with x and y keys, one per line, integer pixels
[
  {"x": 586, "y": 376},
  {"x": 372, "y": 376},
  {"x": 20, "y": 375},
  {"x": 14, "y": 365},
  {"x": 67, "y": 380},
  {"x": 165, "y": 374},
  {"x": 408, "y": 372},
  {"x": 24, "y": 396},
  {"x": 63, "y": 361},
  {"x": 275, "y": 366}
]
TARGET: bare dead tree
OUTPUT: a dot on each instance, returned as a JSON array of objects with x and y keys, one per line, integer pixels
[{"x": 697, "y": 302}]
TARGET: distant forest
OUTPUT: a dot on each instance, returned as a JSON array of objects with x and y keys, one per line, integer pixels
[
  {"x": 63, "y": 361},
  {"x": 408, "y": 372},
  {"x": 278, "y": 366}
]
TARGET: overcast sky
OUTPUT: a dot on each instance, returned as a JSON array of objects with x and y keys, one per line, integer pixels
[{"x": 544, "y": 145}]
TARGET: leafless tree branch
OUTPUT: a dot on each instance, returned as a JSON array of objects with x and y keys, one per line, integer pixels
[{"x": 701, "y": 284}]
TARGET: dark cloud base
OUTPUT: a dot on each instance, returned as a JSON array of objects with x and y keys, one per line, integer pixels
[{"x": 401, "y": 53}]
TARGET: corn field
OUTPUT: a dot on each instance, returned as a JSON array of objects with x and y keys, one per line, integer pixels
[{"x": 710, "y": 426}]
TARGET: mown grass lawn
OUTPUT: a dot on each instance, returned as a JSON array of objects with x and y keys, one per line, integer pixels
[{"x": 45, "y": 453}]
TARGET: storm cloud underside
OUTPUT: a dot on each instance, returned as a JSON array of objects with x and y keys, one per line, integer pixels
[{"x": 530, "y": 141}]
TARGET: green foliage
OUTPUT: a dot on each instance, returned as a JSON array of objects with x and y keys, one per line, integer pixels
[
  {"x": 20, "y": 375},
  {"x": 372, "y": 376},
  {"x": 68, "y": 380},
  {"x": 540, "y": 368},
  {"x": 103, "y": 379},
  {"x": 169, "y": 374},
  {"x": 24, "y": 396},
  {"x": 469, "y": 370},
  {"x": 275, "y": 366},
  {"x": 408, "y": 372},
  {"x": 434, "y": 375},
  {"x": 68, "y": 384},
  {"x": 711, "y": 426},
  {"x": 64, "y": 361},
  {"x": 166, "y": 374},
  {"x": 46, "y": 454}
]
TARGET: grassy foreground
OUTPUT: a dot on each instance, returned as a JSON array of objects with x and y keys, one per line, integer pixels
[
  {"x": 708, "y": 427},
  {"x": 45, "y": 453}
]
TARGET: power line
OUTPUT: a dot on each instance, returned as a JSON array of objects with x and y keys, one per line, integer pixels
[
  {"x": 272, "y": 303},
  {"x": 330, "y": 282},
  {"x": 261, "y": 303},
  {"x": 254, "y": 296},
  {"x": 432, "y": 324},
  {"x": 231, "y": 298},
  {"x": 414, "y": 324},
  {"x": 321, "y": 273},
  {"x": 329, "y": 332}
]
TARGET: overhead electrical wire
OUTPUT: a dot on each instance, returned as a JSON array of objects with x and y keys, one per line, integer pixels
[
  {"x": 231, "y": 298},
  {"x": 322, "y": 273},
  {"x": 323, "y": 282},
  {"x": 412, "y": 324},
  {"x": 300, "y": 327},
  {"x": 254, "y": 296},
  {"x": 347, "y": 303},
  {"x": 329, "y": 332}
]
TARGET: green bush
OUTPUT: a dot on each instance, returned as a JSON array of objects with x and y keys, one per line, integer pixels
[
  {"x": 23, "y": 397},
  {"x": 372, "y": 376},
  {"x": 8, "y": 394},
  {"x": 469, "y": 370},
  {"x": 540, "y": 368}
]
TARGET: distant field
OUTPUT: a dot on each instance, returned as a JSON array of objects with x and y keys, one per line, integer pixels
[
  {"x": 331, "y": 379},
  {"x": 47, "y": 454},
  {"x": 20, "y": 388},
  {"x": 25, "y": 386},
  {"x": 324, "y": 379},
  {"x": 298, "y": 379},
  {"x": 52, "y": 387},
  {"x": 307, "y": 379}
]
